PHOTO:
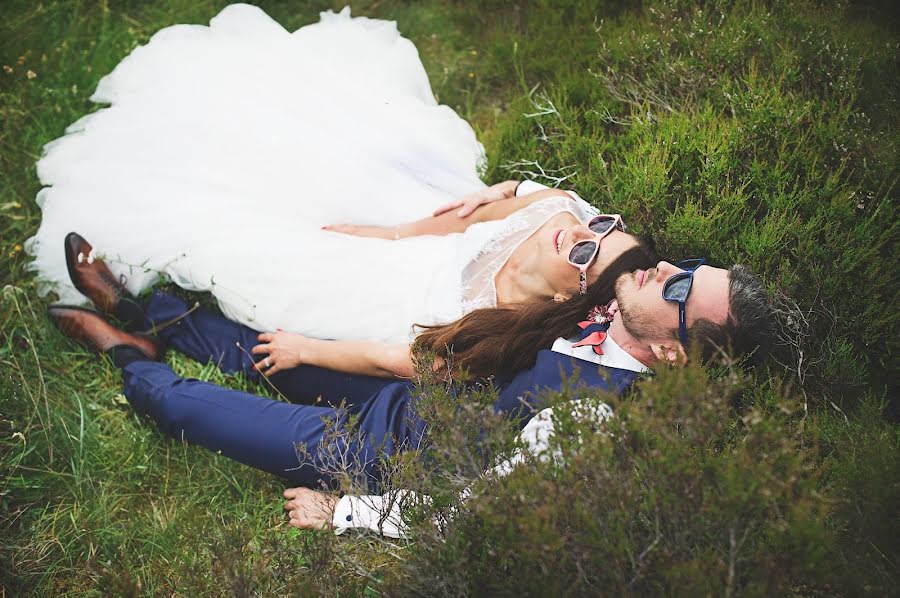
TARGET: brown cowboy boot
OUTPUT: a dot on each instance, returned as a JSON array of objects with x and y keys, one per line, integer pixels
[
  {"x": 95, "y": 281},
  {"x": 91, "y": 330}
]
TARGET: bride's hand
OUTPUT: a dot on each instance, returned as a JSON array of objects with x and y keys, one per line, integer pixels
[
  {"x": 283, "y": 350},
  {"x": 472, "y": 201},
  {"x": 364, "y": 230}
]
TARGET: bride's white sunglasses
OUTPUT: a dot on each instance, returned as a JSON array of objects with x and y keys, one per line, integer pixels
[{"x": 583, "y": 253}]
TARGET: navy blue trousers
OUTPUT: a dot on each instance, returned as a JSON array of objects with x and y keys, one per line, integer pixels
[{"x": 309, "y": 444}]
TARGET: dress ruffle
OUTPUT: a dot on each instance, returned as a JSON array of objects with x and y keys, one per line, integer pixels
[{"x": 225, "y": 148}]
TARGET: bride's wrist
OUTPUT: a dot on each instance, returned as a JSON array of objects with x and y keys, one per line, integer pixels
[{"x": 313, "y": 351}]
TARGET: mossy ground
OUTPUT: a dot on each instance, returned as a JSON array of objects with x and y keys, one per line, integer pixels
[{"x": 764, "y": 133}]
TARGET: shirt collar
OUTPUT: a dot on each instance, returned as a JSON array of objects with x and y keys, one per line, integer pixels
[{"x": 613, "y": 356}]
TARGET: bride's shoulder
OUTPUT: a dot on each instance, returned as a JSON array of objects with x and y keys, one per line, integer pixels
[
  {"x": 544, "y": 208},
  {"x": 529, "y": 212},
  {"x": 526, "y": 219}
]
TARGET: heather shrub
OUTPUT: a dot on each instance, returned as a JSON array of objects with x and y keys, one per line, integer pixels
[
  {"x": 861, "y": 466},
  {"x": 673, "y": 494},
  {"x": 756, "y": 132}
]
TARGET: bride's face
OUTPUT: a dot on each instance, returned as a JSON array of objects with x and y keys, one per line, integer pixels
[{"x": 562, "y": 276}]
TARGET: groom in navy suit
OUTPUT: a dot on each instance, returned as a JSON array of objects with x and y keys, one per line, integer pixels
[{"x": 654, "y": 314}]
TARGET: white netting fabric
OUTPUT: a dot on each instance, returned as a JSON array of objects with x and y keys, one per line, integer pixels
[{"x": 500, "y": 240}]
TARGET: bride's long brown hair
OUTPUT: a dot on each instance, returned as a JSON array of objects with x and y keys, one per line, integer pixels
[{"x": 504, "y": 340}]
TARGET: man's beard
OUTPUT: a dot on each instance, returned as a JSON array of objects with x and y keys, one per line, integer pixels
[{"x": 640, "y": 324}]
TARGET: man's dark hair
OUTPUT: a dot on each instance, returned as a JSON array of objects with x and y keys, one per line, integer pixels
[{"x": 747, "y": 330}]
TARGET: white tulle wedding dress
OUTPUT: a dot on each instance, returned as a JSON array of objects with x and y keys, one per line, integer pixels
[{"x": 225, "y": 148}]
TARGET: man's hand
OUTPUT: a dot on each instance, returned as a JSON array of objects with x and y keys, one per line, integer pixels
[
  {"x": 471, "y": 202},
  {"x": 283, "y": 350},
  {"x": 309, "y": 509},
  {"x": 392, "y": 233}
]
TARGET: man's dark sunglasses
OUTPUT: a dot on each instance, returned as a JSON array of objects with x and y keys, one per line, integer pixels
[{"x": 677, "y": 288}]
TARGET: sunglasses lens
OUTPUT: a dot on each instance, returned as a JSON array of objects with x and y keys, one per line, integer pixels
[
  {"x": 601, "y": 224},
  {"x": 677, "y": 287},
  {"x": 582, "y": 253}
]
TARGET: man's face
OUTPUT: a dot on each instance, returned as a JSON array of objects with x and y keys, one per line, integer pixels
[{"x": 648, "y": 317}]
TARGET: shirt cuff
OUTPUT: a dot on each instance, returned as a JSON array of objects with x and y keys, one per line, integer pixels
[
  {"x": 527, "y": 187},
  {"x": 374, "y": 513}
]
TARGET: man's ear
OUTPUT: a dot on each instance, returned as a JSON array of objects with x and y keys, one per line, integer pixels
[
  {"x": 670, "y": 351},
  {"x": 561, "y": 297}
]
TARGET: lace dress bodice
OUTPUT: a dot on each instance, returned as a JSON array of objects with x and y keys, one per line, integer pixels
[{"x": 467, "y": 281}]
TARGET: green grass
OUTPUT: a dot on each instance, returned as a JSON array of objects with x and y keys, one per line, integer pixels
[{"x": 758, "y": 132}]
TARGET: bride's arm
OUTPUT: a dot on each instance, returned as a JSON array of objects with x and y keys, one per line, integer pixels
[
  {"x": 498, "y": 210},
  {"x": 448, "y": 222},
  {"x": 285, "y": 350},
  {"x": 472, "y": 201}
]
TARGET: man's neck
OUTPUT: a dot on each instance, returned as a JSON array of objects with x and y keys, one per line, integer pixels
[{"x": 629, "y": 344}]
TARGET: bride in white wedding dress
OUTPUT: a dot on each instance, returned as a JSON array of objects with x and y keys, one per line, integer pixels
[{"x": 225, "y": 149}]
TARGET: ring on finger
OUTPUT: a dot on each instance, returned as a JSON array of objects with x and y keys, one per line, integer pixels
[{"x": 267, "y": 363}]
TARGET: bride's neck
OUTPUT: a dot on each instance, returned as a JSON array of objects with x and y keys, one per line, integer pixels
[
  {"x": 513, "y": 292},
  {"x": 520, "y": 278},
  {"x": 516, "y": 283}
]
